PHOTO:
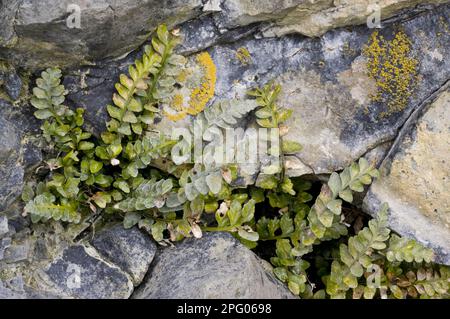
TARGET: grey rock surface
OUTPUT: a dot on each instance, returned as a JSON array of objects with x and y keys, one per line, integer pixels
[
  {"x": 36, "y": 33},
  {"x": 324, "y": 81},
  {"x": 17, "y": 155},
  {"x": 17, "y": 253},
  {"x": 215, "y": 266},
  {"x": 130, "y": 249},
  {"x": 79, "y": 272},
  {"x": 415, "y": 178},
  {"x": 4, "y": 228},
  {"x": 11, "y": 82}
]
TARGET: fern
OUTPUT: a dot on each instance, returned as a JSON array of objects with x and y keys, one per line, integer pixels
[
  {"x": 424, "y": 282},
  {"x": 225, "y": 114},
  {"x": 149, "y": 194},
  {"x": 405, "y": 249},
  {"x": 324, "y": 218},
  {"x": 368, "y": 251},
  {"x": 200, "y": 181},
  {"x": 150, "y": 80},
  {"x": 289, "y": 269},
  {"x": 270, "y": 115},
  {"x": 43, "y": 207},
  {"x": 129, "y": 173}
]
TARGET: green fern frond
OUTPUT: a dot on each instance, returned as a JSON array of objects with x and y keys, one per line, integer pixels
[
  {"x": 405, "y": 249},
  {"x": 226, "y": 113},
  {"x": 149, "y": 194},
  {"x": 327, "y": 209},
  {"x": 43, "y": 207}
]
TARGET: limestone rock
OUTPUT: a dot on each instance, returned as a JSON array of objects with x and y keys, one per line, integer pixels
[
  {"x": 17, "y": 253},
  {"x": 79, "y": 272},
  {"x": 415, "y": 178},
  {"x": 326, "y": 84},
  {"x": 216, "y": 266},
  {"x": 4, "y": 229},
  {"x": 16, "y": 155},
  {"x": 11, "y": 82},
  {"x": 36, "y": 33},
  {"x": 314, "y": 20},
  {"x": 130, "y": 249},
  {"x": 20, "y": 291}
]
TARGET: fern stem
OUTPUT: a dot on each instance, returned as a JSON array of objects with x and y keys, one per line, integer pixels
[
  {"x": 164, "y": 58},
  {"x": 287, "y": 235},
  {"x": 217, "y": 229}
]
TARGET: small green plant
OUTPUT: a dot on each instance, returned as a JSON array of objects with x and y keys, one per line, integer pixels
[
  {"x": 129, "y": 173},
  {"x": 376, "y": 260},
  {"x": 244, "y": 56}
]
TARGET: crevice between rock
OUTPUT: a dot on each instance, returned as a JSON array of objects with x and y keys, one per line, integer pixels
[{"x": 413, "y": 118}]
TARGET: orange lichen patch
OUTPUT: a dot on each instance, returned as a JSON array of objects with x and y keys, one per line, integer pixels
[
  {"x": 175, "y": 112},
  {"x": 177, "y": 102},
  {"x": 175, "y": 116},
  {"x": 389, "y": 63},
  {"x": 200, "y": 96}
]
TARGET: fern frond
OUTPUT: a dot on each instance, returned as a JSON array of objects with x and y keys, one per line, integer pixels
[
  {"x": 325, "y": 214},
  {"x": 200, "y": 180},
  {"x": 226, "y": 113},
  {"x": 43, "y": 207},
  {"x": 150, "y": 79},
  {"x": 149, "y": 194},
  {"x": 405, "y": 249}
]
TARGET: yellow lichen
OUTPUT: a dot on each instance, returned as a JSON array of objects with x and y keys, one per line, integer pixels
[
  {"x": 176, "y": 112},
  {"x": 177, "y": 102},
  {"x": 243, "y": 55},
  {"x": 200, "y": 95},
  {"x": 389, "y": 63},
  {"x": 175, "y": 116}
]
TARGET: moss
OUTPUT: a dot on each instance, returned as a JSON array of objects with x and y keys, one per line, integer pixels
[
  {"x": 243, "y": 55},
  {"x": 3, "y": 95},
  {"x": 24, "y": 91},
  {"x": 394, "y": 70}
]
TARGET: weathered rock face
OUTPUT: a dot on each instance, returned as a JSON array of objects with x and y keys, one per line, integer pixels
[
  {"x": 325, "y": 82},
  {"x": 130, "y": 249},
  {"x": 43, "y": 262},
  {"x": 216, "y": 266},
  {"x": 415, "y": 178},
  {"x": 35, "y": 34},
  {"x": 80, "y": 273},
  {"x": 315, "y": 20},
  {"x": 11, "y": 82},
  {"x": 17, "y": 153}
]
